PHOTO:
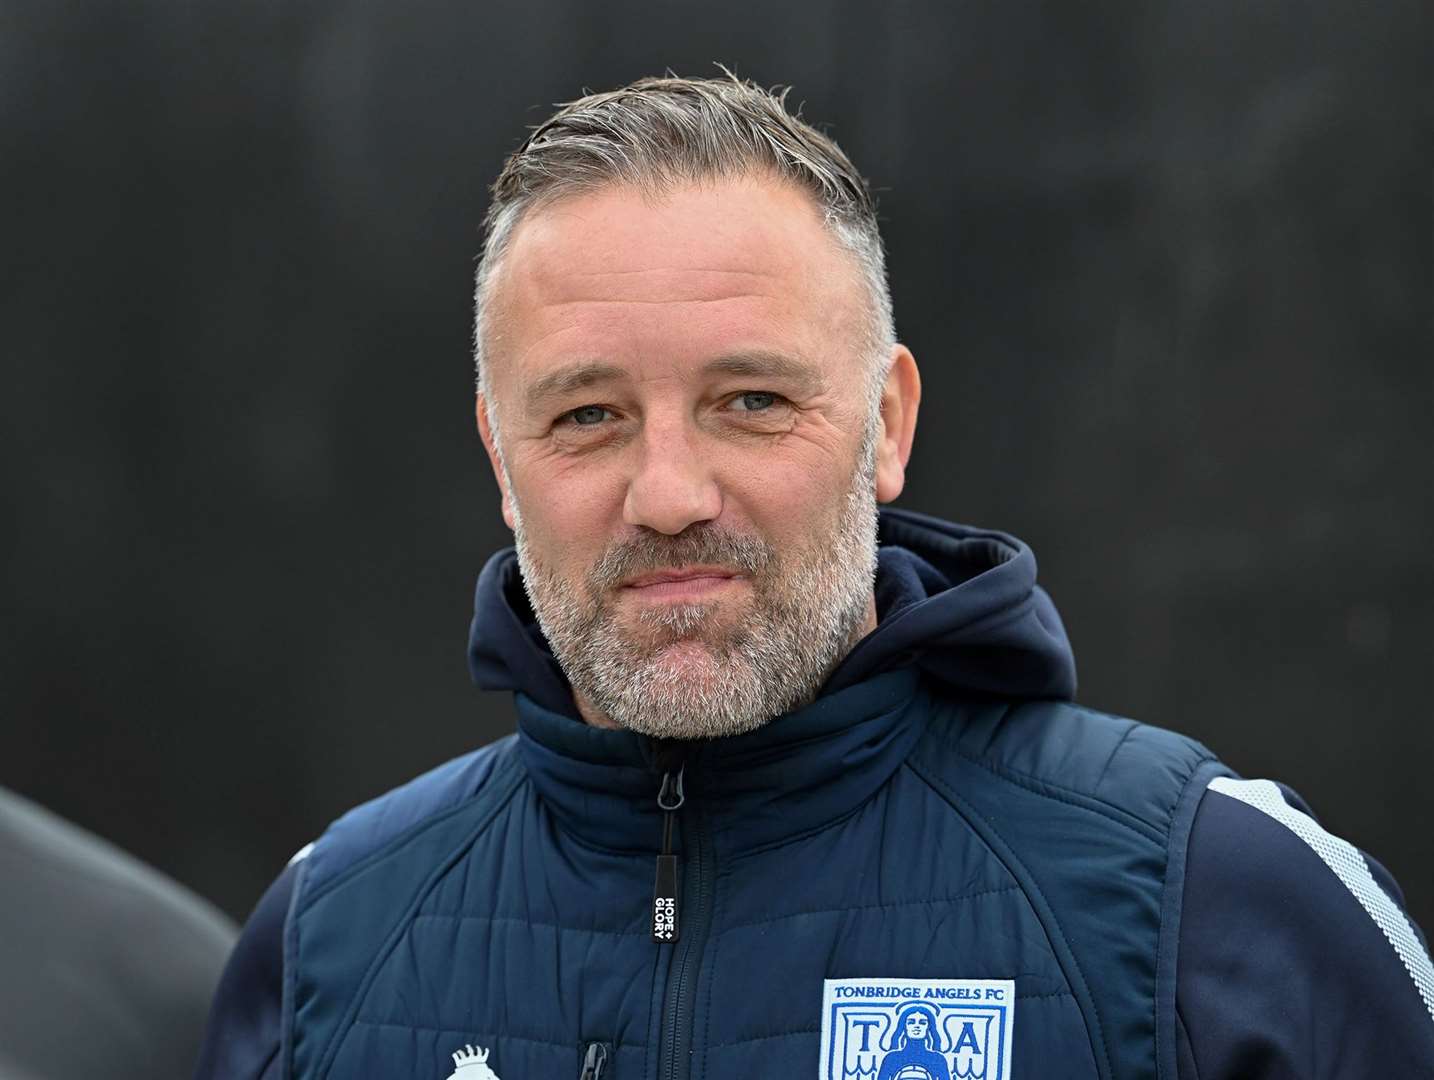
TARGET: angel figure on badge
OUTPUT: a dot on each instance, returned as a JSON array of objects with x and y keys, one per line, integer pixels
[{"x": 916, "y": 1046}]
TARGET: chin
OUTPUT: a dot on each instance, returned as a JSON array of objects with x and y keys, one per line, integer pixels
[
  {"x": 698, "y": 628},
  {"x": 692, "y": 658}
]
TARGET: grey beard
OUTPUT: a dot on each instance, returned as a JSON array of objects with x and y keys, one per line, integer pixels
[{"x": 804, "y": 619}]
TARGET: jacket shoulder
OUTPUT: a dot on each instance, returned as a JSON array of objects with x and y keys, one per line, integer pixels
[
  {"x": 388, "y": 822},
  {"x": 361, "y": 883},
  {"x": 1090, "y": 813},
  {"x": 1062, "y": 749}
]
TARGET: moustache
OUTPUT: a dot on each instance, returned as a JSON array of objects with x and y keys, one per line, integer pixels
[{"x": 704, "y": 545}]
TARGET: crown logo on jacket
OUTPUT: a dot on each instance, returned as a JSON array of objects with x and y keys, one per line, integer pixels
[{"x": 471, "y": 1063}]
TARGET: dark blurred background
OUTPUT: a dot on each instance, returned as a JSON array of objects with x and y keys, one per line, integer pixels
[{"x": 1168, "y": 269}]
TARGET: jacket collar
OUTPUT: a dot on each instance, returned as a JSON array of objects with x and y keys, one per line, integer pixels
[{"x": 799, "y": 772}]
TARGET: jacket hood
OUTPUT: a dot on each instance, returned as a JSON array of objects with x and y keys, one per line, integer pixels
[{"x": 960, "y": 603}]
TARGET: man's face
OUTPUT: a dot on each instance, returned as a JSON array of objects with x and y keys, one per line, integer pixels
[{"x": 686, "y": 451}]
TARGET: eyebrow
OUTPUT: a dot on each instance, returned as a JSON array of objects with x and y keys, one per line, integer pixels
[
  {"x": 765, "y": 365},
  {"x": 567, "y": 379}
]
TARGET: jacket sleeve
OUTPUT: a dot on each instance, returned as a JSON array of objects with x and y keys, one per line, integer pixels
[
  {"x": 242, "y": 1038},
  {"x": 1297, "y": 960}
]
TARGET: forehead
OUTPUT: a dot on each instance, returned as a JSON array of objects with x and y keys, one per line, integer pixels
[{"x": 618, "y": 276}]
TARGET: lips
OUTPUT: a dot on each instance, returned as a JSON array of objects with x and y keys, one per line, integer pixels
[
  {"x": 688, "y": 584},
  {"x": 694, "y": 575}
]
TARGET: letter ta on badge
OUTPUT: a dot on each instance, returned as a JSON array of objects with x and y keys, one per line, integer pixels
[{"x": 917, "y": 1029}]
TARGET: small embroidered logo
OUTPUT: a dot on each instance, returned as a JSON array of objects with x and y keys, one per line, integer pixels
[{"x": 471, "y": 1063}]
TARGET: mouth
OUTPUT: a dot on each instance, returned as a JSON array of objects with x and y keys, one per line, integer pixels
[{"x": 682, "y": 583}]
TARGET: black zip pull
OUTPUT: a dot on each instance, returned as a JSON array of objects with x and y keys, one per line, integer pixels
[
  {"x": 664, "y": 891},
  {"x": 594, "y": 1062}
]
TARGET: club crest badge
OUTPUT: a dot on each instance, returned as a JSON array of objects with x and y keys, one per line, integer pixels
[{"x": 910, "y": 1029}]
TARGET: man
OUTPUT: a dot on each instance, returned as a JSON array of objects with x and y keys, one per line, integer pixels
[{"x": 785, "y": 766}]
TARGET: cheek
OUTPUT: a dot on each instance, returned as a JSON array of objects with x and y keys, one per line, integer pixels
[
  {"x": 566, "y": 513},
  {"x": 788, "y": 501}
]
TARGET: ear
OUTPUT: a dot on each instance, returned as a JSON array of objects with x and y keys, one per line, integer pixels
[
  {"x": 899, "y": 400},
  {"x": 485, "y": 432}
]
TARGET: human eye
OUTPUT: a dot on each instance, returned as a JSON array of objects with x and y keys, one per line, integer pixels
[
  {"x": 755, "y": 401},
  {"x": 587, "y": 427},
  {"x": 584, "y": 416}
]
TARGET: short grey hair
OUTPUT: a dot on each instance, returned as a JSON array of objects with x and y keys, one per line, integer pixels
[{"x": 659, "y": 133}]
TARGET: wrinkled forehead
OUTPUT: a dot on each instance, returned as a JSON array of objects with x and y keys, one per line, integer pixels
[{"x": 721, "y": 256}]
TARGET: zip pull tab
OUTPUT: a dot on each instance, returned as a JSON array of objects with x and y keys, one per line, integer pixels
[
  {"x": 594, "y": 1062},
  {"x": 664, "y": 891}
]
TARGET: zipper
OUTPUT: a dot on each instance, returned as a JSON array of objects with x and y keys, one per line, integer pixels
[
  {"x": 594, "y": 1062},
  {"x": 665, "y": 924},
  {"x": 675, "y": 1060}
]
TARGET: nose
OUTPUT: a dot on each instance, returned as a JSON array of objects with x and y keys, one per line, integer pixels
[{"x": 673, "y": 485}]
